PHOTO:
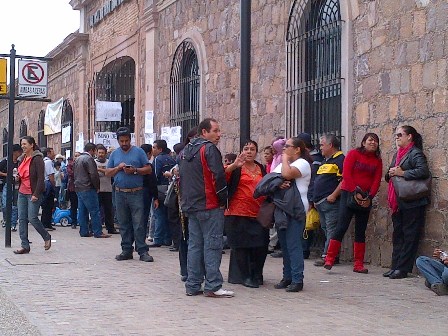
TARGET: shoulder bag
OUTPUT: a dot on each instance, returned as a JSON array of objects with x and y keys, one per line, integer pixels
[
  {"x": 265, "y": 215},
  {"x": 411, "y": 190}
]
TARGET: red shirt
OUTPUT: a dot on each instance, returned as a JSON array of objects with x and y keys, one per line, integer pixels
[
  {"x": 243, "y": 203},
  {"x": 24, "y": 173},
  {"x": 363, "y": 169}
]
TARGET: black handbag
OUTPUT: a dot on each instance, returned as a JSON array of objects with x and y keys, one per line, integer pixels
[
  {"x": 411, "y": 190},
  {"x": 353, "y": 204}
]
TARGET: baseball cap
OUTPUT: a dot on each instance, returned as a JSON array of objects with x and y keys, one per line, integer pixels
[{"x": 306, "y": 138}]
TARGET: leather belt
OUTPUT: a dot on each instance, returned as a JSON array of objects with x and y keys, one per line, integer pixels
[{"x": 129, "y": 190}]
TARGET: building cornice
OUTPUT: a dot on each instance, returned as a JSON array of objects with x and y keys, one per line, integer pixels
[
  {"x": 78, "y": 4},
  {"x": 70, "y": 41}
]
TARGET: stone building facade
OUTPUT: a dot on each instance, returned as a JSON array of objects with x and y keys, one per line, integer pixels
[{"x": 391, "y": 69}]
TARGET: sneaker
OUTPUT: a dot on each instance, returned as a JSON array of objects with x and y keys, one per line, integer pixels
[
  {"x": 427, "y": 284},
  {"x": 319, "y": 262},
  {"x": 220, "y": 293},
  {"x": 440, "y": 289}
]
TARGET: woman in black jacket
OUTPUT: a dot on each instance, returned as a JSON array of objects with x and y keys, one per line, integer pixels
[{"x": 408, "y": 217}]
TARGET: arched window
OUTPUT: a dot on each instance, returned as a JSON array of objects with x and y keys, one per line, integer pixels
[
  {"x": 184, "y": 88},
  {"x": 313, "y": 88},
  {"x": 116, "y": 83},
  {"x": 41, "y": 137},
  {"x": 67, "y": 127},
  {"x": 5, "y": 142},
  {"x": 23, "y": 128}
]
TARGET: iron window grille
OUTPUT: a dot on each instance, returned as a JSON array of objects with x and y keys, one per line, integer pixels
[
  {"x": 184, "y": 88},
  {"x": 66, "y": 121},
  {"x": 23, "y": 131},
  {"x": 5, "y": 142},
  {"x": 313, "y": 84},
  {"x": 41, "y": 137},
  {"x": 116, "y": 82}
]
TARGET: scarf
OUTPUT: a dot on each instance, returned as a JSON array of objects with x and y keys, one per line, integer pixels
[
  {"x": 278, "y": 147},
  {"x": 391, "y": 195}
]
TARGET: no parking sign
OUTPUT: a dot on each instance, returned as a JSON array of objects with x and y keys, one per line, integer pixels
[{"x": 33, "y": 78}]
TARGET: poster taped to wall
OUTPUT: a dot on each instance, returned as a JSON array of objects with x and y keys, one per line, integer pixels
[
  {"x": 109, "y": 139},
  {"x": 149, "y": 122},
  {"x": 53, "y": 114},
  {"x": 66, "y": 132},
  {"x": 108, "y": 111}
]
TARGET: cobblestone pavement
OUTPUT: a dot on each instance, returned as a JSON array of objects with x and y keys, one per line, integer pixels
[{"x": 77, "y": 288}]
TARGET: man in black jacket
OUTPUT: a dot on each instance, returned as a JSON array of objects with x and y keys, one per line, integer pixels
[
  {"x": 87, "y": 186},
  {"x": 203, "y": 197}
]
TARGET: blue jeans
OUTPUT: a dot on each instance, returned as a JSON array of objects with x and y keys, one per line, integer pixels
[
  {"x": 328, "y": 217},
  {"x": 205, "y": 242},
  {"x": 162, "y": 234},
  {"x": 14, "y": 210},
  {"x": 433, "y": 270},
  {"x": 291, "y": 243},
  {"x": 28, "y": 212},
  {"x": 88, "y": 204},
  {"x": 129, "y": 213}
]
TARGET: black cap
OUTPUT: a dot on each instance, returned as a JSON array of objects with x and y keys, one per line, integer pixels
[
  {"x": 17, "y": 148},
  {"x": 306, "y": 138}
]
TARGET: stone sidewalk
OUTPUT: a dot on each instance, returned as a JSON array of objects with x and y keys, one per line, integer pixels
[{"x": 77, "y": 288}]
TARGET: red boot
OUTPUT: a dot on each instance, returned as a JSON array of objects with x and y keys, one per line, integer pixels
[
  {"x": 332, "y": 252},
  {"x": 359, "y": 250}
]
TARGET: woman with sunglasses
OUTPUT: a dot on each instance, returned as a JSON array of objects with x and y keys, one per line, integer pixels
[
  {"x": 408, "y": 218},
  {"x": 361, "y": 177},
  {"x": 295, "y": 168}
]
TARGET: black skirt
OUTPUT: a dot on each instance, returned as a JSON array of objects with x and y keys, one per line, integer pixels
[{"x": 245, "y": 232}]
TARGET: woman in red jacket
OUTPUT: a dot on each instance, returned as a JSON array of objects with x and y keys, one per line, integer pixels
[
  {"x": 361, "y": 179},
  {"x": 31, "y": 190}
]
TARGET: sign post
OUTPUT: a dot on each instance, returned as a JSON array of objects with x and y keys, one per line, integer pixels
[{"x": 34, "y": 76}]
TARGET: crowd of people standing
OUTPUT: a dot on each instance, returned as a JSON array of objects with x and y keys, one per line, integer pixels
[{"x": 194, "y": 197}]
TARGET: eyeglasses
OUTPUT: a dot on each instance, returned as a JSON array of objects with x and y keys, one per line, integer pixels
[{"x": 287, "y": 146}]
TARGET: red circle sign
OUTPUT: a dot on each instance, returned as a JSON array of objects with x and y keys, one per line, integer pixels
[{"x": 33, "y": 73}]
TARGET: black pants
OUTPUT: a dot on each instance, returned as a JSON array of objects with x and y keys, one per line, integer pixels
[
  {"x": 105, "y": 200},
  {"x": 183, "y": 249},
  {"x": 174, "y": 225},
  {"x": 408, "y": 224},
  {"x": 247, "y": 263},
  {"x": 47, "y": 210},
  {"x": 73, "y": 198},
  {"x": 345, "y": 216}
]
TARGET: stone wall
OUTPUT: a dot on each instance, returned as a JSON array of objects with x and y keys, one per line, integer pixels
[
  {"x": 218, "y": 23},
  {"x": 400, "y": 57}
]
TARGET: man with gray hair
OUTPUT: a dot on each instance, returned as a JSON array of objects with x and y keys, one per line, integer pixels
[{"x": 327, "y": 187}]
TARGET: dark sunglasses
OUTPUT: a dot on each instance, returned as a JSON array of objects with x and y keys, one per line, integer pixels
[{"x": 399, "y": 135}]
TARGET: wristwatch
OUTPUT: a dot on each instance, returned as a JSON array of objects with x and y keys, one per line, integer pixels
[{"x": 135, "y": 171}]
